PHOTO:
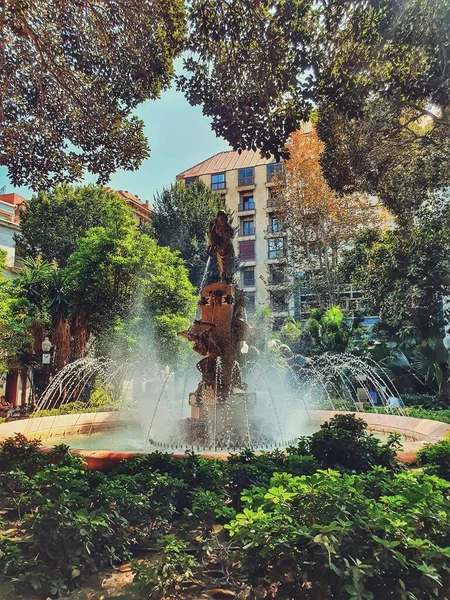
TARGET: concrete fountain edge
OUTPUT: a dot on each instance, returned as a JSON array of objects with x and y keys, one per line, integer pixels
[{"x": 418, "y": 432}]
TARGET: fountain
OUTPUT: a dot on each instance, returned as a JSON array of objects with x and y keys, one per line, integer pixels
[{"x": 238, "y": 402}]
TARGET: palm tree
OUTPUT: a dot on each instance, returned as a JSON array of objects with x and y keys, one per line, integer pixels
[
  {"x": 34, "y": 283},
  {"x": 59, "y": 311}
]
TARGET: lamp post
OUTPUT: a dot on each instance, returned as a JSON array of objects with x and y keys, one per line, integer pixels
[
  {"x": 446, "y": 342},
  {"x": 46, "y": 347}
]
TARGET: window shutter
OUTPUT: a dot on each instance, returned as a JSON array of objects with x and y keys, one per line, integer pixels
[{"x": 247, "y": 250}]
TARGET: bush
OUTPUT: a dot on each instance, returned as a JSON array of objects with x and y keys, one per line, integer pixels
[
  {"x": 344, "y": 443},
  {"x": 169, "y": 570},
  {"x": 345, "y": 536},
  {"x": 18, "y": 453},
  {"x": 435, "y": 459},
  {"x": 420, "y": 400}
]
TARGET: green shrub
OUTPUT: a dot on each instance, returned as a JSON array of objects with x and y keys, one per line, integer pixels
[
  {"x": 344, "y": 443},
  {"x": 17, "y": 452},
  {"x": 326, "y": 536},
  {"x": 169, "y": 570},
  {"x": 420, "y": 400},
  {"x": 204, "y": 506},
  {"x": 435, "y": 459}
]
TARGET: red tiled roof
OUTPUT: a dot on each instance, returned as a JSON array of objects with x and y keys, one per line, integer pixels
[{"x": 226, "y": 161}]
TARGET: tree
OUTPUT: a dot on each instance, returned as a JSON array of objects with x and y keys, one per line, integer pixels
[
  {"x": 325, "y": 331},
  {"x": 259, "y": 68},
  {"x": 53, "y": 222},
  {"x": 320, "y": 223},
  {"x": 71, "y": 75},
  {"x": 180, "y": 218},
  {"x": 389, "y": 151},
  {"x": 404, "y": 276},
  {"x": 118, "y": 274},
  {"x": 16, "y": 319}
]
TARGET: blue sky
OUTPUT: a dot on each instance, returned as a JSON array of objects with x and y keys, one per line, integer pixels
[{"x": 179, "y": 137}]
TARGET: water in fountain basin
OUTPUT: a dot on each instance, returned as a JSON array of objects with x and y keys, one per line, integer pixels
[{"x": 158, "y": 401}]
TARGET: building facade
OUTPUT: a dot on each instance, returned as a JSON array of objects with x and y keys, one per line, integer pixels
[
  {"x": 142, "y": 213},
  {"x": 9, "y": 226},
  {"x": 247, "y": 182}
]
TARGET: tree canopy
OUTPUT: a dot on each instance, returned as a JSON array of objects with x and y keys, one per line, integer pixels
[
  {"x": 259, "y": 68},
  {"x": 53, "y": 222},
  {"x": 405, "y": 274},
  {"x": 180, "y": 219},
  {"x": 72, "y": 73}
]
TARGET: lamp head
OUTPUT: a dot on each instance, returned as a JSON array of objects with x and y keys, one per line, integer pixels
[
  {"x": 446, "y": 341},
  {"x": 46, "y": 345}
]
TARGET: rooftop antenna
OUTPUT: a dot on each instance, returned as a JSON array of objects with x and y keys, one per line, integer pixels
[{"x": 3, "y": 189}]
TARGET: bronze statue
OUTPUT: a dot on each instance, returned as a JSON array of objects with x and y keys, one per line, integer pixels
[
  {"x": 220, "y": 234},
  {"x": 200, "y": 334}
]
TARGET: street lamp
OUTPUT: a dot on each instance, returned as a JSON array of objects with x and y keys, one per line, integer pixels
[
  {"x": 446, "y": 342},
  {"x": 46, "y": 347}
]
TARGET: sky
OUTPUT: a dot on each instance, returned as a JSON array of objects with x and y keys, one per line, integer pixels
[{"x": 179, "y": 137}]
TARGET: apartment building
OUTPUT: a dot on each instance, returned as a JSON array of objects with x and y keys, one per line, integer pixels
[
  {"x": 9, "y": 226},
  {"x": 246, "y": 183}
]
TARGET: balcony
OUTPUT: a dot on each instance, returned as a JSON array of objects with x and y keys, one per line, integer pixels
[
  {"x": 246, "y": 181},
  {"x": 272, "y": 205},
  {"x": 247, "y": 231},
  {"x": 246, "y": 207},
  {"x": 277, "y": 281},
  {"x": 275, "y": 230}
]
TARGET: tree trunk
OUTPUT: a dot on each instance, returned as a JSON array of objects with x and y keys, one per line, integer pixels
[
  {"x": 61, "y": 342},
  {"x": 80, "y": 332},
  {"x": 444, "y": 393}
]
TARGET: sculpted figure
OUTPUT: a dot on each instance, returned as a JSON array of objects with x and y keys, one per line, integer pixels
[
  {"x": 220, "y": 234},
  {"x": 200, "y": 334}
]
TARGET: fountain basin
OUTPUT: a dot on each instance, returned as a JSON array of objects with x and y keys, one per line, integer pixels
[{"x": 60, "y": 429}]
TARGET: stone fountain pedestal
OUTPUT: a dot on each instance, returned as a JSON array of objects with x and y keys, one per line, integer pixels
[
  {"x": 222, "y": 423},
  {"x": 221, "y": 408}
]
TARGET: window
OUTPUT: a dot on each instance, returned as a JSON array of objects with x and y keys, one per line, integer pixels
[
  {"x": 247, "y": 227},
  {"x": 273, "y": 199},
  {"x": 246, "y": 176},
  {"x": 248, "y": 277},
  {"x": 189, "y": 180},
  {"x": 276, "y": 248},
  {"x": 218, "y": 181},
  {"x": 276, "y": 275},
  {"x": 247, "y": 250},
  {"x": 250, "y": 302},
  {"x": 274, "y": 224},
  {"x": 273, "y": 170},
  {"x": 247, "y": 203},
  {"x": 278, "y": 301}
]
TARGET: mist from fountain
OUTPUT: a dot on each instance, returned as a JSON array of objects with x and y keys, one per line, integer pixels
[{"x": 153, "y": 400}]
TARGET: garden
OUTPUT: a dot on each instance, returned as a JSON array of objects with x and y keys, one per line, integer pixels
[
  {"x": 335, "y": 516},
  {"x": 346, "y": 103}
]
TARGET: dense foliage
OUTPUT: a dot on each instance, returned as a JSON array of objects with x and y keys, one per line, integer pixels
[
  {"x": 435, "y": 459},
  {"x": 258, "y": 68},
  {"x": 71, "y": 76},
  {"x": 180, "y": 217},
  {"x": 114, "y": 283},
  {"x": 71, "y": 522},
  {"x": 53, "y": 222}
]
